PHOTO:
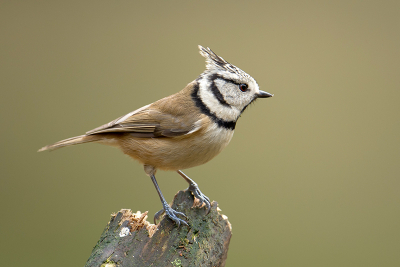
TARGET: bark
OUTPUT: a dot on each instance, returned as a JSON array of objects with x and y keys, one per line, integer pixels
[{"x": 130, "y": 240}]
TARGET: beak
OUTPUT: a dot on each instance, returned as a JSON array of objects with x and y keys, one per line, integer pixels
[{"x": 263, "y": 94}]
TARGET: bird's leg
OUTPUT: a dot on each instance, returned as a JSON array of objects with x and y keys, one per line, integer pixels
[
  {"x": 172, "y": 214},
  {"x": 194, "y": 188}
]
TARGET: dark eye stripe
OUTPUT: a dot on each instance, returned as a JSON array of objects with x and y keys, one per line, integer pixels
[
  {"x": 217, "y": 76},
  {"x": 216, "y": 92}
]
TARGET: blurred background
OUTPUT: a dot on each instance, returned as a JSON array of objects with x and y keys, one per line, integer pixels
[{"x": 311, "y": 177}]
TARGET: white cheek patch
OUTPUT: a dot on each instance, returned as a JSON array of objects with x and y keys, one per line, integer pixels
[{"x": 207, "y": 97}]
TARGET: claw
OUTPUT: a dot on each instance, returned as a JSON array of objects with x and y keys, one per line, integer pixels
[
  {"x": 158, "y": 215},
  {"x": 172, "y": 214},
  {"x": 200, "y": 196},
  {"x": 194, "y": 188},
  {"x": 166, "y": 208}
]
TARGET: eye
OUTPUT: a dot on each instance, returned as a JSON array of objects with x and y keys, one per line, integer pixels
[{"x": 243, "y": 87}]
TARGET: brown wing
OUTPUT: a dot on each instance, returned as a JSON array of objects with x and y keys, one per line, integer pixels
[{"x": 149, "y": 121}]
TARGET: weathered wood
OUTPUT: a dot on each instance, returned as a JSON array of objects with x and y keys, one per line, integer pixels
[{"x": 129, "y": 240}]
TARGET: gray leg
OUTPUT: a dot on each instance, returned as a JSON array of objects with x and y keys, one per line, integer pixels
[
  {"x": 194, "y": 188},
  {"x": 172, "y": 214}
]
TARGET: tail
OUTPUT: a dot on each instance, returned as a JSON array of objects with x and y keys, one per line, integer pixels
[{"x": 72, "y": 141}]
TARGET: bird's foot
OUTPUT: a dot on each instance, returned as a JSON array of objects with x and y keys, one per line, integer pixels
[
  {"x": 171, "y": 213},
  {"x": 194, "y": 188}
]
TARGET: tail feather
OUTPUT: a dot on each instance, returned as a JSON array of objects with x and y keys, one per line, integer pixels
[{"x": 71, "y": 141}]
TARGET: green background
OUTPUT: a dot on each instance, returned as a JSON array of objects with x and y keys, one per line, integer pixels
[{"x": 311, "y": 177}]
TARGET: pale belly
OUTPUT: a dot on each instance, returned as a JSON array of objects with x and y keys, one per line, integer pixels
[{"x": 178, "y": 152}]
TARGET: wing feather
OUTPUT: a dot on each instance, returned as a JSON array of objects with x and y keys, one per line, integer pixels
[
  {"x": 149, "y": 122},
  {"x": 162, "y": 118}
]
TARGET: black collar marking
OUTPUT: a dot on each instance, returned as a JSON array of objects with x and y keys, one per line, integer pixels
[{"x": 229, "y": 125}]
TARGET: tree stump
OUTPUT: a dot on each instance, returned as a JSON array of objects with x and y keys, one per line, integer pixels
[{"x": 130, "y": 240}]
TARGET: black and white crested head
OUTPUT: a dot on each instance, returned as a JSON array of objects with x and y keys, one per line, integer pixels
[
  {"x": 215, "y": 63},
  {"x": 224, "y": 90}
]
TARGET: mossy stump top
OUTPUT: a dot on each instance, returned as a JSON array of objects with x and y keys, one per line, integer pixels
[{"x": 130, "y": 240}]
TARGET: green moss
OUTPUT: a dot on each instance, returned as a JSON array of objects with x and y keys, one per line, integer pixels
[
  {"x": 177, "y": 262},
  {"x": 108, "y": 263}
]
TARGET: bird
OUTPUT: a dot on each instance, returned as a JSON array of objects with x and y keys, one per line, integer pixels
[{"x": 183, "y": 130}]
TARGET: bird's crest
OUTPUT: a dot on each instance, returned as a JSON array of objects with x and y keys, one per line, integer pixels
[{"x": 215, "y": 62}]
